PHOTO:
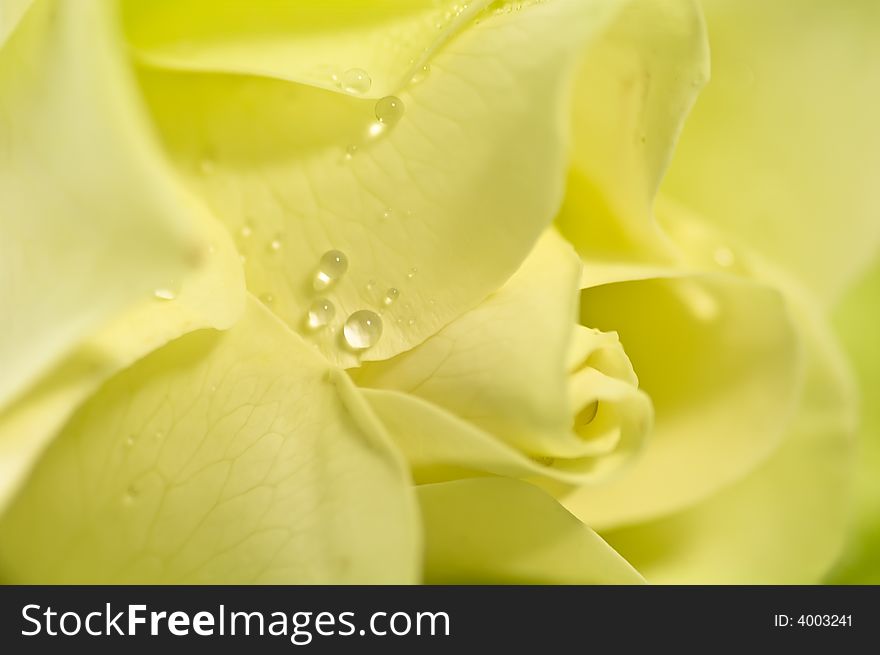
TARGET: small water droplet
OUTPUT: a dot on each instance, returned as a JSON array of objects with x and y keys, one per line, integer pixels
[
  {"x": 390, "y": 296},
  {"x": 362, "y": 329},
  {"x": 387, "y": 214},
  {"x": 213, "y": 388},
  {"x": 246, "y": 231},
  {"x": 420, "y": 75},
  {"x": 350, "y": 152},
  {"x": 267, "y": 299},
  {"x": 129, "y": 441},
  {"x": 321, "y": 312},
  {"x": 332, "y": 266},
  {"x": 724, "y": 257},
  {"x": 356, "y": 80},
  {"x": 411, "y": 322},
  {"x": 389, "y": 110},
  {"x": 130, "y": 495},
  {"x": 164, "y": 294},
  {"x": 370, "y": 285},
  {"x": 275, "y": 244},
  {"x": 412, "y": 273},
  {"x": 207, "y": 165}
]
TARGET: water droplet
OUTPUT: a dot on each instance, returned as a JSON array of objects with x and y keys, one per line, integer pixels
[
  {"x": 130, "y": 441},
  {"x": 356, "y": 80},
  {"x": 412, "y": 273},
  {"x": 387, "y": 214},
  {"x": 164, "y": 294},
  {"x": 370, "y": 285},
  {"x": 389, "y": 110},
  {"x": 390, "y": 296},
  {"x": 724, "y": 257},
  {"x": 321, "y": 312},
  {"x": 420, "y": 75},
  {"x": 207, "y": 165},
  {"x": 246, "y": 231},
  {"x": 350, "y": 152},
  {"x": 213, "y": 388},
  {"x": 332, "y": 266},
  {"x": 130, "y": 495},
  {"x": 267, "y": 299},
  {"x": 275, "y": 244},
  {"x": 411, "y": 322},
  {"x": 376, "y": 129},
  {"x": 362, "y": 329}
]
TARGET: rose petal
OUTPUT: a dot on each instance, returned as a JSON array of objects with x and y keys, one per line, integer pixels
[
  {"x": 226, "y": 457},
  {"x": 495, "y": 530}
]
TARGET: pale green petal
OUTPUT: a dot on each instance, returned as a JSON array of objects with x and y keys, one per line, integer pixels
[
  {"x": 443, "y": 206},
  {"x": 439, "y": 446},
  {"x": 782, "y": 149},
  {"x": 784, "y": 523},
  {"x": 90, "y": 223},
  {"x": 223, "y": 457},
  {"x": 515, "y": 368},
  {"x": 212, "y": 296},
  {"x": 310, "y": 42},
  {"x": 634, "y": 88},
  {"x": 721, "y": 361},
  {"x": 858, "y": 322},
  {"x": 11, "y": 12},
  {"x": 501, "y": 531}
]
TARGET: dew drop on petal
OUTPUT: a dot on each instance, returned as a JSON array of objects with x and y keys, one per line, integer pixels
[
  {"x": 362, "y": 329},
  {"x": 321, "y": 312},
  {"x": 164, "y": 293},
  {"x": 275, "y": 244},
  {"x": 331, "y": 267},
  {"x": 390, "y": 296},
  {"x": 267, "y": 299},
  {"x": 412, "y": 273},
  {"x": 356, "y": 80},
  {"x": 724, "y": 257},
  {"x": 389, "y": 110}
]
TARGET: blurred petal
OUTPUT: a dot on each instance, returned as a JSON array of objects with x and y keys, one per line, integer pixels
[
  {"x": 507, "y": 368},
  {"x": 500, "y": 531},
  {"x": 212, "y": 296},
  {"x": 309, "y": 42},
  {"x": 782, "y": 149},
  {"x": 858, "y": 322},
  {"x": 91, "y": 222},
  {"x": 442, "y": 206},
  {"x": 11, "y": 12},
  {"x": 221, "y": 458},
  {"x": 721, "y": 362},
  {"x": 634, "y": 88},
  {"x": 784, "y": 523}
]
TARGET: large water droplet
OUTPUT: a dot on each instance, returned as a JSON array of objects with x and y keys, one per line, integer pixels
[
  {"x": 390, "y": 296},
  {"x": 362, "y": 329},
  {"x": 321, "y": 312},
  {"x": 356, "y": 80},
  {"x": 389, "y": 110},
  {"x": 332, "y": 266}
]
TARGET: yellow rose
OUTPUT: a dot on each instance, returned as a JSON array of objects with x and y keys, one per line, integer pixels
[{"x": 288, "y": 302}]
